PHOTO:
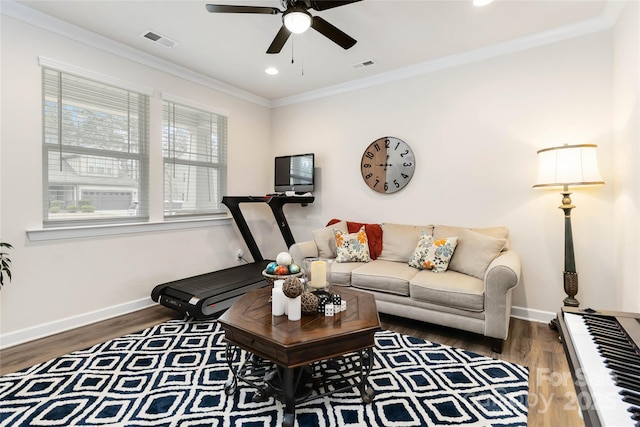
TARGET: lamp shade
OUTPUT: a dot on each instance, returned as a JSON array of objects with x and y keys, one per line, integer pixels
[
  {"x": 297, "y": 21},
  {"x": 568, "y": 165}
]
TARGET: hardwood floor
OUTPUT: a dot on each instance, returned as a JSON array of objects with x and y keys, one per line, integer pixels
[{"x": 552, "y": 397}]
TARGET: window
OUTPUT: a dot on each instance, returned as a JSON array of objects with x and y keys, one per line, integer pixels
[
  {"x": 95, "y": 162},
  {"x": 195, "y": 160}
]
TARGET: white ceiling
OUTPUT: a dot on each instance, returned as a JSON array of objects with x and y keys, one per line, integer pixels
[{"x": 396, "y": 34}]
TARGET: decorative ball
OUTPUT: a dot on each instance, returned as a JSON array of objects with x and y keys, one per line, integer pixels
[
  {"x": 308, "y": 303},
  {"x": 281, "y": 270},
  {"x": 271, "y": 267},
  {"x": 292, "y": 287},
  {"x": 294, "y": 269},
  {"x": 284, "y": 258}
]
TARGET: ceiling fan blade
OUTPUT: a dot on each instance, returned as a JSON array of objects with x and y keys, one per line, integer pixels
[
  {"x": 221, "y": 8},
  {"x": 332, "y": 33},
  {"x": 279, "y": 41},
  {"x": 329, "y": 4}
]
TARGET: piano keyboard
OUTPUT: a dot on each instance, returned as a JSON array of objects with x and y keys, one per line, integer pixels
[{"x": 609, "y": 365}]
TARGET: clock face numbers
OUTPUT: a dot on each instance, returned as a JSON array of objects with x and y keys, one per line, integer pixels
[{"x": 387, "y": 165}]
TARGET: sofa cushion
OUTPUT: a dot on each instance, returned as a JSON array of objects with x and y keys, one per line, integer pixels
[
  {"x": 374, "y": 235},
  {"x": 432, "y": 254},
  {"x": 341, "y": 272},
  {"x": 399, "y": 240},
  {"x": 451, "y": 289},
  {"x": 383, "y": 276},
  {"x": 352, "y": 247},
  {"x": 325, "y": 239},
  {"x": 474, "y": 253}
]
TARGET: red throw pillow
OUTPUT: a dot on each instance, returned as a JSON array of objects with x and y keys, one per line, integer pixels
[{"x": 374, "y": 235}]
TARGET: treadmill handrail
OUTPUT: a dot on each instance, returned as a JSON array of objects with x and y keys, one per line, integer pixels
[{"x": 276, "y": 204}]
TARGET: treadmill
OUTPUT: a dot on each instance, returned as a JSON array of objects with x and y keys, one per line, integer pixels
[{"x": 207, "y": 295}]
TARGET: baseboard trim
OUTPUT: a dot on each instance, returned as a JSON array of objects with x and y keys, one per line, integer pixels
[
  {"x": 40, "y": 331},
  {"x": 532, "y": 315}
]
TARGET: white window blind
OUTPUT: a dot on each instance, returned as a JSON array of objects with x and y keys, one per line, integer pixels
[
  {"x": 195, "y": 160},
  {"x": 95, "y": 162}
]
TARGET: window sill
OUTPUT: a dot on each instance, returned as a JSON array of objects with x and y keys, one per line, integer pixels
[{"x": 60, "y": 233}]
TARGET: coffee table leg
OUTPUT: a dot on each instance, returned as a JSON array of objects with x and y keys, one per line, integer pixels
[
  {"x": 366, "y": 392},
  {"x": 289, "y": 398},
  {"x": 232, "y": 383}
]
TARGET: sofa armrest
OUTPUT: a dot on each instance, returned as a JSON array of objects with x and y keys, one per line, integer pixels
[
  {"x": 302, "y": 250},
  {"x": 501, "y": 277}
]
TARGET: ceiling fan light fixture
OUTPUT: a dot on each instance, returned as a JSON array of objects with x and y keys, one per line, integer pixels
[{"x": 297, "y": 20}]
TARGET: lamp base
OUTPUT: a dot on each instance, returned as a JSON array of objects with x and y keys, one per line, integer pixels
[{"x": 571, "y": 289}]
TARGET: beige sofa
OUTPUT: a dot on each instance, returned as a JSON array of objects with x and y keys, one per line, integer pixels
[{"x": 473, "y": 294}]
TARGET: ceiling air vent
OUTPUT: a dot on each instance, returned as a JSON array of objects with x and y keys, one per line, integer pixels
[
  {"x": 367, "y": 63},
  {"x": 158, "y": 38}
]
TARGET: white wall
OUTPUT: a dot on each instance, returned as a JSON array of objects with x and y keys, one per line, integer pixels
[
  {"x": 63, "y": 282},
  {"x": 475, "y": 130},
  {"x": 626, "y": 124}
]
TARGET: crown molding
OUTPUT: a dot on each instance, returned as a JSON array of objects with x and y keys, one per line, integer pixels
[
  {"x": 612, "y": 10},
  {"x": 33, "y": 17},
  {"x": 607, "y": 19},
  {"x": 603, "y": 22}
]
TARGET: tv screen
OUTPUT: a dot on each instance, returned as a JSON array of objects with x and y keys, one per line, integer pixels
[{"x": 294, "y": 173}]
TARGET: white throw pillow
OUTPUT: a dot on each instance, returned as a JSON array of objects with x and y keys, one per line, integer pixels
[
  {"x": 474, "y": 253},
  {"x": 325, "y": 239},
  {"x": 399, "y": 240}
]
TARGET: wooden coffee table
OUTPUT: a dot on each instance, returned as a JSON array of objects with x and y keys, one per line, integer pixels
[{"x": 294, "y": 346}]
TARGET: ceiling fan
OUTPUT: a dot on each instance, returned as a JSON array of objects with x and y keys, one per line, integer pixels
[{"x": 296, "y": 19}]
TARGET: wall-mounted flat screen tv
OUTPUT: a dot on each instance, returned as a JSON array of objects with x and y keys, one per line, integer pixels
[{"x": 294, "y": 173}]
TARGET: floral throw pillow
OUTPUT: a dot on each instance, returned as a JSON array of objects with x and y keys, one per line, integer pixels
[
  {"x": 432, "y": 254},
  {"x": 352, "y": 247}
]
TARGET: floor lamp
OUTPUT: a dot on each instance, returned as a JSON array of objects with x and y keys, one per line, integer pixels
[{"x": 562, "y": 167}]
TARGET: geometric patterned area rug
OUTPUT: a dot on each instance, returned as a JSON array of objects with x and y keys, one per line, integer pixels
[{"x": 173, "y": 374}]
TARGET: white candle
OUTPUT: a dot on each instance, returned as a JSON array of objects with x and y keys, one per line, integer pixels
[
  {"x": 278, "y": 300},
  {"x": 318, "y": 274},
  {"x": 277, "y": 284},
  {"x": 294, "y": 308}
]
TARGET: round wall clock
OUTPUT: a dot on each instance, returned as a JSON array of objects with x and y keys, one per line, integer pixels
[{"x": 387, "y": 165}]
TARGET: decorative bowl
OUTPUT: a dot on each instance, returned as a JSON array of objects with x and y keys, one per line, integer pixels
[{"x": 270, "y": 278}]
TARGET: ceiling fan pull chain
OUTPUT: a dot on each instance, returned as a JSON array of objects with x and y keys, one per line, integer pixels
[{"x": 302, "y": 55}]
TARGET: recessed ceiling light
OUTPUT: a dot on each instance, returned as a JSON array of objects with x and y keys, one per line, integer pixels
[
  {"x": 481, "y": 3},
  {"x": 271, "y": 71}
]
